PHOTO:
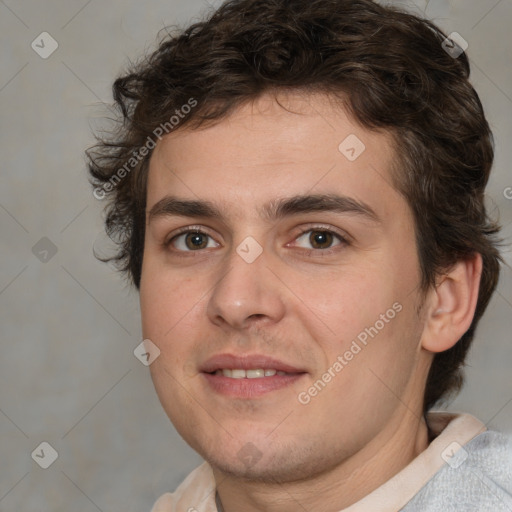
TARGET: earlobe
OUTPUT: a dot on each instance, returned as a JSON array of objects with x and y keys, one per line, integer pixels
[{"x": 452, "y": 305}]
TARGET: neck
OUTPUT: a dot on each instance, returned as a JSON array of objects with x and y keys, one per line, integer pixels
[{"x": 337, "y": 488}]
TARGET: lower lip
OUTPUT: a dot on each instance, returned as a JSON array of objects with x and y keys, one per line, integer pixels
[{"x": 250, "y": 388}]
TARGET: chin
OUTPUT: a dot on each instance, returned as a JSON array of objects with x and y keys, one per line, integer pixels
[{"x": 284, "y": 466}]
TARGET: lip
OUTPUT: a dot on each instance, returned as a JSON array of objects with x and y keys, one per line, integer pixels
[
  {"x": 247, "y": 362},
  {"x": 248, "y": 388}
]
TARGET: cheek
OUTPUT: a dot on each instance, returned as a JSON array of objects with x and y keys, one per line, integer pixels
[
  {"x": 348, "y": 300},
  {"x": 367, "y": 314},
  {"x": 166, "y": 298},
  {"x": 172, "y": 312},
  {"x": 154, "y": 302}
]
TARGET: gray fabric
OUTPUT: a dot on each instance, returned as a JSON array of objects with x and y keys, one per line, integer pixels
[{"x": 482, "y": 481}]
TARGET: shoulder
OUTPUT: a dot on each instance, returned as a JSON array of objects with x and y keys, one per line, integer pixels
[{"x": 477, "y": 478}]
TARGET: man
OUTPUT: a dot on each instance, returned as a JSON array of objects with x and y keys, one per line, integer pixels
[{"x": 297, "y": 193}]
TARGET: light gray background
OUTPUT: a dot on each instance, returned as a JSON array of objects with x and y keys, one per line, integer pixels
[{"x": 69, "y": 326}]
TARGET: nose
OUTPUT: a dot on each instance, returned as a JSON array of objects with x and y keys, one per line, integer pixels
[{"x": 246, "y": 294}]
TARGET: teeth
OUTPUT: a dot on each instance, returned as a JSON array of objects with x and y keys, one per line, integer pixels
[
  {"x": 254, "y": 374},
  {"x": 248, "y": 374}
]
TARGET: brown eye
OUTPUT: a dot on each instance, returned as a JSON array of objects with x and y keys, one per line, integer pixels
[
  {"x": 196, "y": 240},
  {"x": 320, "y": 239},
  {"x": 191, "y": 241}
]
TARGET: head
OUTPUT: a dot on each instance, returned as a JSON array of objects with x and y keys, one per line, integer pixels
[{"x": 260, "y": 104}]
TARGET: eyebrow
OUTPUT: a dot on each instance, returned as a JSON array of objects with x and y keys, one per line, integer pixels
[{"x": 273, "y": 210}]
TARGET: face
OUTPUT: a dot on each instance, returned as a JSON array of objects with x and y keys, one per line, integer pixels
[{"x": 280, "y": 283}]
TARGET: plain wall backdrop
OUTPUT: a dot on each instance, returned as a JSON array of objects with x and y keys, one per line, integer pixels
[{"x": 69, "y": 324}]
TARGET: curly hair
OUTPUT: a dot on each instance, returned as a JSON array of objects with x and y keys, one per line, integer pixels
[{"x": 392, "y": 71}]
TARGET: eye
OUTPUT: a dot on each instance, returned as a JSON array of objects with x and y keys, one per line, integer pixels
[
  {"x": 320, "y": 238},
  {"x": 192, "y": 240}
]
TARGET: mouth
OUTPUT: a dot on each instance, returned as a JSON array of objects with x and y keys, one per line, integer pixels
[
  {"x": 239, "y": 373},
  {"x": 248, "y": 376}
]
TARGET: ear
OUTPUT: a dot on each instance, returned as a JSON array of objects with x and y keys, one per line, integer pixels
[{"x": 452, "y": 304}]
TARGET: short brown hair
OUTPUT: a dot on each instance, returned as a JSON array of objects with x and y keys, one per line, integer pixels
[{"x": 393, "y": 72}]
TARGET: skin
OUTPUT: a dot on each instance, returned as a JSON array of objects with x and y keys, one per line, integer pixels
[{"x": 296, "y": 302}]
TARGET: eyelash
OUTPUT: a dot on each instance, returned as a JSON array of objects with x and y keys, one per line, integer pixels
[{"x": 318, "y": 252}]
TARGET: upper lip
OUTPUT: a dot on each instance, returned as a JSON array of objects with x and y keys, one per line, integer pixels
[{"x": 247, "y": 362}]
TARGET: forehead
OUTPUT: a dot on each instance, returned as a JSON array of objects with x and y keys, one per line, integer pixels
[{"x": 300, "y": 144}]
